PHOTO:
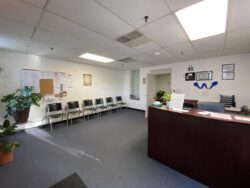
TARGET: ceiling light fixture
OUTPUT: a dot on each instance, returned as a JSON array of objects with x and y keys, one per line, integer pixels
[
  {"x": 96, "y": 58},
  {"x": 204, "y": 19},
  {"x": 157, "y": 53}
]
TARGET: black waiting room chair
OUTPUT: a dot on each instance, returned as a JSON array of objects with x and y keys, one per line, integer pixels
[
  {"x": 120, "y": 102},
  {"x": 228, "y": 100},
  {"x": 110, "y": 104},
  {"x": 99, "y": 104},
  {"x": 211, "y": 106},
  {"x": 73, "y": 109},
  {"x": 88, "y": 107},
  {"x": 54, "y": 111}
]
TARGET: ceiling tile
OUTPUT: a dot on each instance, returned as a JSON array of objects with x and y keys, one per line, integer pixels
[
  {"x": 90, "y": 14},
  {"x": 19, "y": 11},
  {"x": 39, "y": 3},
  {"x": 239, "y": 38},
  {"x": 147, "y": 47},
  {"x": 14, "y": 43},
  {"x": 44, "y": 49},
  {"x": 186, "y": 57},
  {"x": 163, "y": 54},
  {"x": 65, "y": 27},
  {"x": 231, "y": 51},
  {"x": 177, "y": 50},
  {"x": 133, "y": 11},
  {"x": 165, "y": 32},
  {"x": 143, "y": 58},
  {"x": 239, "y": 15},
  {"x": 58, "y": 40},
  {"x": 179, "y": 4},
  {"x": 134, "y": 66},
  {"x": 114, "y": 50},
  {"x": 211, "y": 54},
  {"x": 210, "y": 43},
  {"x": 15, "y": 29}
]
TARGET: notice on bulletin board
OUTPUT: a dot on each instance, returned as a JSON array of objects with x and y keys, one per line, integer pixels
[
  {"x": 30, "y": 78},
  {"x": 47, "y": 82},
  {"x": 69, "y": 81}
]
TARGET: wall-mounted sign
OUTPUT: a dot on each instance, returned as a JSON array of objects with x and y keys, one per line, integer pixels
[
  {"x": 190, "y": 76},
  {"x": 227, "y": 75},
  {"x": 190, "y": 68},
  {"x": 205, "y": 86},
  {"x": 228, "y": 67},
  {"x": 204, "y": 75},
  {"x": 228, "y": 71}
]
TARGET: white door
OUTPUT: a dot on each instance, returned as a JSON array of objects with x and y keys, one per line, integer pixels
[{"x": 151, "y": 91}]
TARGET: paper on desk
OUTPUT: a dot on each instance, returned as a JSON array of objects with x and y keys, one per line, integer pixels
[
  {"x": 221, "y": 116},
  {"x": 242, "y": 118},
  {"x": 204, "y": 113},
  {"x": 179, "y": 110}
]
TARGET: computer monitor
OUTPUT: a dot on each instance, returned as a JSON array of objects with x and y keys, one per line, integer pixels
[{"x": 177, "y": 101}]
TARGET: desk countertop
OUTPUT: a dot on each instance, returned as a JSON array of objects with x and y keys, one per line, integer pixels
[{"x": 210, "y": 115}]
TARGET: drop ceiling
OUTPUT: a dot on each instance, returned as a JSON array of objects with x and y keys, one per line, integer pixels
[{"x": 74, "y": 27}]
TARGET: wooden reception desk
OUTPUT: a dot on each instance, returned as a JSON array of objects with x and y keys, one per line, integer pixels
[{"x": 212, "y": 150}]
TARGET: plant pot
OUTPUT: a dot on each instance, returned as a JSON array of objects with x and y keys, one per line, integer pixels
[
  {"x": 21, "y": 116},
  {"x": 6, "y": 158}
]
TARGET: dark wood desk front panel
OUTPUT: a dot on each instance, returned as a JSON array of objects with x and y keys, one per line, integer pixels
[{"x": 212, "y": 151}]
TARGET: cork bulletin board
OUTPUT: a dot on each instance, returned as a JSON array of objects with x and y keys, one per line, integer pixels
[{"x": 46, "y": 86}]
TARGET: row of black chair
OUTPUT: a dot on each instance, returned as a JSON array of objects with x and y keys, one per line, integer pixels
[{"x": 55, "y": 110}]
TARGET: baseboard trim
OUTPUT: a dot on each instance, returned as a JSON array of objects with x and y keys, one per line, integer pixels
[{"x": 136, "y": 109}]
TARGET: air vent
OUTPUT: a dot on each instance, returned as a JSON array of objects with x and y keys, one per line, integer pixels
[
  {"x": 123, "y": 39},
  {"x": 134, "y": 35},
  {"x": 127, "y": 60},
  {"x": 133, "y": 39}
]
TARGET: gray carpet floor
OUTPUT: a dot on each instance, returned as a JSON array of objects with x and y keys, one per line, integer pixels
[{"x": 106, "y": 152}]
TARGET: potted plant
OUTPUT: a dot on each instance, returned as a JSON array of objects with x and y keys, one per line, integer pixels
[
  {"x": 159, "y": 94},
  {"x": 166, "y": 98},
  {"x": 18, "y": 103},
  {"x": 6, "y": 144}
]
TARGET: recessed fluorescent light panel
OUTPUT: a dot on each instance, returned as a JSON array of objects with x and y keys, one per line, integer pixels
[
  {"x": 96, "y": 58},
  {"x": 204, "y": 19}
]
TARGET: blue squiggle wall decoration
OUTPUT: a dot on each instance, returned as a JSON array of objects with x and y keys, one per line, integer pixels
[{"x": 204, "y": 85}]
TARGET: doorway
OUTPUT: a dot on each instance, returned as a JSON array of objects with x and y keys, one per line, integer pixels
[{"x": 157, "y": 80}]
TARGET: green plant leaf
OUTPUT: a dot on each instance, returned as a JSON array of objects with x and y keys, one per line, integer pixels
[
  {"x": 6, "y": 124},
  {"x": 21, "y": 100}
]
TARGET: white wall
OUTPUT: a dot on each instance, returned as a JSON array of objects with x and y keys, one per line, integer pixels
[
  {"x": 163, "y": 82},
  {"x": 239, "y": 87},
  {"x": 105, "y": 81}
]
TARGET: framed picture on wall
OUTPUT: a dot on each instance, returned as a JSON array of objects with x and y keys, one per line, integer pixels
[
  {"x": 227, "y": 75},
  {"x": 204, "y": 75},
  {"x": 87, "y": 79},
  {"x": 190, "y": 76},
  {"x": 228, "y": 67}
]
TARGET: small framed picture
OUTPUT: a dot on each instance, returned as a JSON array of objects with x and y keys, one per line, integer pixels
[
  {"x": 228, "y": 67},
  {"x": 87, "y": 79},
  {"x": 190, "y": 76},
  {"x": 228, "y": 76},
  {"x": 144, "y": 80},
  {"x": 204, "y": 75}
]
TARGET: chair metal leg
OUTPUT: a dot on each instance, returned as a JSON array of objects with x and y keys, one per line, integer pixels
[
  {"x": 50, "y": 123},
  {"x": 66, "y": 121}
]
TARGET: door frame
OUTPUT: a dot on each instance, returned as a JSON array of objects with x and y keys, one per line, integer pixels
[{"x": 157, "y": 72}]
